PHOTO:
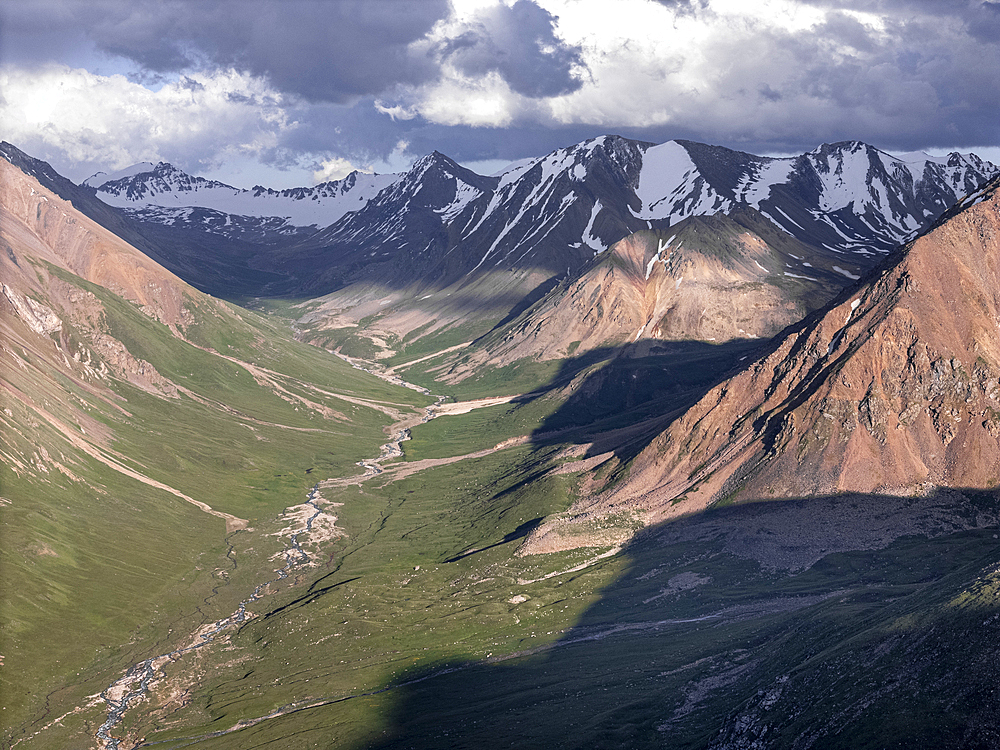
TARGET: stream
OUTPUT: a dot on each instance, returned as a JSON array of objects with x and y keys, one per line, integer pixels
[
  {"x": 394, "y": 448},
  {"x": 135, "y": 684}
]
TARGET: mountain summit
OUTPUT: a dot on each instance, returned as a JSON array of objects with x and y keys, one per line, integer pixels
[
  {"x": 893, "y": 388},
  {"x": 439, "y": 220}
]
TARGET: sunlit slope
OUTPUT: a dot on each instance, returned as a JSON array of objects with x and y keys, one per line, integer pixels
[
  {"x": 710, "y": 278},
  {"x": 142, "y": 422},
  {"x": 891, "y": 388}
]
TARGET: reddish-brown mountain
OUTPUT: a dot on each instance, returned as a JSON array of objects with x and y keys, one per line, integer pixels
[
  {"x": 893, "y": 388},
  {"x": 710, "y": 278}
]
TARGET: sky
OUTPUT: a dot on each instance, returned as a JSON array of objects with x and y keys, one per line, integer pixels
[{"x": 294, "y": 92}]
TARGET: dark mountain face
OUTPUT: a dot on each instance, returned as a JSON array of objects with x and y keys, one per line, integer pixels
[
  {"x": 441, "y": 223},
  {"x": 849, "y": 202},
  {"x": 404, "y": 231}
]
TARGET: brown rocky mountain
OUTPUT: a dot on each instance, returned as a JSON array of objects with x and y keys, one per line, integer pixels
[
  {"x": 892, "y": 388},
  {"x": 710, "y": 278},
  {"x": 45, "y": 240},
  {"x": 81, "y": 314}
]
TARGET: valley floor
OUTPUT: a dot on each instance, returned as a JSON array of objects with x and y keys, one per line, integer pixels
[{"x": 800, "y": 623}]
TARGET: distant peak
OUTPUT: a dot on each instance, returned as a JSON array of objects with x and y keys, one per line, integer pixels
[
  {"x": 429, "y": 160},
  {"x": 96, "y": 180},
  {"x": 841, "y": 146},
  {"x": 432, "y": 157}
]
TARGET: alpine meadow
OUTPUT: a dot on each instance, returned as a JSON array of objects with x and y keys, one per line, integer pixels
[{"x": 529, "y": 419}]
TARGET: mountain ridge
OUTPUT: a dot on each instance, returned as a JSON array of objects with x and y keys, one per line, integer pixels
[
  {"x": 658, "y": 183},
  {"x": 894, "y": 387}
]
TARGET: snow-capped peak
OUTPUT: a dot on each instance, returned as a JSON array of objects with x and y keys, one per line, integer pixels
[
  {"x": 146, "y": 187},
  {"x": 96, "y": 180}
]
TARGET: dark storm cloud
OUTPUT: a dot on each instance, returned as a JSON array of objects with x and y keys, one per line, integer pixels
[
  {"x": 916, "y": 81},
  {"x": 914, "y": 74},
  {"x": 520, "y": 44},
  {"x": 323, "y": 51},
  {"x": 980, "y": 18},
  {"x": 848, "y": 31},
  {"x": 917, "y": 74}
]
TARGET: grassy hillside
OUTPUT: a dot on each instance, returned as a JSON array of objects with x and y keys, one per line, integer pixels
[{"x": 98, "y": 541}]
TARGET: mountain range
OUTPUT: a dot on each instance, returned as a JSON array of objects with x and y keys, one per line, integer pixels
[
  {"x": 439, "y": 248},
  {"x": 844, "y": 196},
  {"x": 640, "y": 444},
  {"x": 848, "y": 200}
]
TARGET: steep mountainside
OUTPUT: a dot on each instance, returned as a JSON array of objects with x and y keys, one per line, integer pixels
[
  {"x": 224, "y": 264},
  {"x": 143, "y": 423},
  {"x": 893, "y": 388},
  {"x": 442, "y": 223},
  {"x": 848, "y": 200},
  {"x": 709, "y": 278}
]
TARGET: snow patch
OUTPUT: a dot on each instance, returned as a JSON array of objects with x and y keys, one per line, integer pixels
[
  {"x": 848, "y": 274},
  {"x": 588, "y": 238},
  {"x": 170, "y": 188},
  {"x": 464, "y": 195},
  {"x": 755, "y": 187},
  {"x": 670, "y": 186}
]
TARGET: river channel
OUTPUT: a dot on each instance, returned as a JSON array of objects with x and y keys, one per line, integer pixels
[{"x": 132, "y": 687}]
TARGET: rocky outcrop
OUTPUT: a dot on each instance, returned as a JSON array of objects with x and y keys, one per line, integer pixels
[
  {"x": 710, "y": 278},
  {"x": 38, "y": 317},
  {"x": 893, "y": 388}
]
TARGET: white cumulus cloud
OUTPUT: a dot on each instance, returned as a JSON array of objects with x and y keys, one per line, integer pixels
[
  {"x": 96, "y": 122},
  {"x": 786, "y": 73},
  {"x": 336, "y": 168}
]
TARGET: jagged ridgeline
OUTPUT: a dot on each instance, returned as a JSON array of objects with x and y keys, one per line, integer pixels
[
  {"x": 748, "y": 541},
  {"x": 442, "y": 252},
  {"x": 893, "y": 388}
]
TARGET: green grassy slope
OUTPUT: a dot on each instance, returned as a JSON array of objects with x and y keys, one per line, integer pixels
[
  {"x": 421, "y": 628},
  {"x": 93, "y": 548},
  {"x": 425, "y": 631}
]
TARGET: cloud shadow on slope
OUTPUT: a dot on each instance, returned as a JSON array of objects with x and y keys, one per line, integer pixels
[
  {"x": 619, "y": 401},
  {"x": 823, "y": 617}
]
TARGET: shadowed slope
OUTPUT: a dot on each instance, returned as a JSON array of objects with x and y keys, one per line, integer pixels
[{"x": 892, "y": 388}]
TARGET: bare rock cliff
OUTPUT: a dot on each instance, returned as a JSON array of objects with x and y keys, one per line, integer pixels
[{"x": 893, "y": 388}]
